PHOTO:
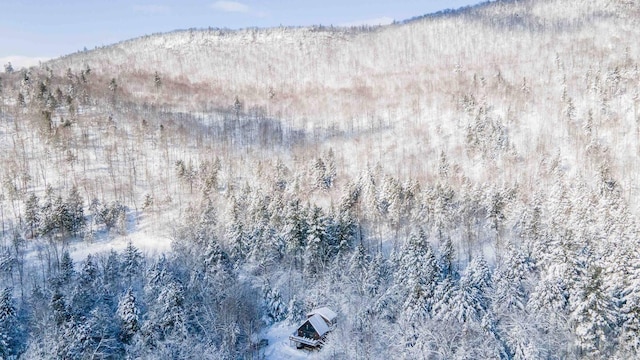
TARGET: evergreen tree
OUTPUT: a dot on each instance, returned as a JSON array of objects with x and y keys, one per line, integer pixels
[
  {"x": 168, "y": 314},
  {"x": 216, "y": 274},
  {"x": 67, "y": 272},
  {"x": 59, "y": 308},
  {"x": 21, "y": 100},
  {"x": 9, "y": 341},
  {"x": 346, "y": 232},
  {"x": 315, "y": 250},
  {"x": 104, "y": 341},
  {"x": 275, "y": 308},
  {"x": 237, "y": 107},
  {"x": 296, "y": 311},
  {"x": 74, "y": 206},
  {"x": 550, "y": 297},
  {"x": 237, "y": 233},
  {"x": 358, "y": 266},
  {"x": 630, "y": 308},
  {"x": 128, "y": 315},
  {"x": 321, "y": 178},
  {"x": 131, "y": 261},
  {"x": 294, "y": 231},
  {"x": 378, "y": 275},
  {"x": 75, "y": 340},
  {"x": 48, "y": 219},
  {"x": 87, "y": 291},
  {"x": 593, "y": 315},
  {"x": 7, "y": 263},
  {"x": 111, "y": 215},
  {"x": 62, "y": 217},
  {"x": 157, "y": 82},
  {"x": 111, "y": 271},
  {"x": 446, "y": 263},
  {"x": 510, "y": 293},
  {"x": 32, "y": 213},
  {"x": 113, "y": 85},
  {"x": 468, "y": 301},
  {"x": 416, "y": 276}
]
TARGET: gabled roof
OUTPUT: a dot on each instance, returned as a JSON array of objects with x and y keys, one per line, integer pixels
[
  {"x": 328, "y": 314},
  {"x": 319, "y": 324}
]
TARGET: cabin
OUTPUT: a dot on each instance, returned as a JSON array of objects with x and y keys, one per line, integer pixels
[
  {"x": 312, "y": 332},
  {"x": 328, "y": 315}
]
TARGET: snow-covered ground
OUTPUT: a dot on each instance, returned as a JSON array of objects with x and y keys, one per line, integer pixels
[
  {"x": 279, "y": 346},
  {"x": 150, "y": 236}
]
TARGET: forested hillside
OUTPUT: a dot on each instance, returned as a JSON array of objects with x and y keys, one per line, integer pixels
[{"x": 458, "y": 185}]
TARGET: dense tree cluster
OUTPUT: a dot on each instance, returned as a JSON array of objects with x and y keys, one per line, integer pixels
[{"x": 525, "y": 284}]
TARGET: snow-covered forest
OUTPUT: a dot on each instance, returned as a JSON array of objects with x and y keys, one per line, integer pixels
[{"x": 460, "y": 185}]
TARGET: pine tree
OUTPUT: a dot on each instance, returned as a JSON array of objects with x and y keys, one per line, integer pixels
[
  {"x": 67, "y": 272},
  {"x": 131, "y": 261},
  {"x": 294, "y": 231},
  {"x": 168, "y": 314},
  {"x": 113, "y": 85},
  {"x": 59, "y": 308},
  {"x": 86, "y": 292},
  {"x": 358, "y": 265},
  {"x": 48, "y": 223},
  {"x": 111, "y": 271},
  {"x": 416, "y": 276},
  {"x": 275, "y": 308},
  {"x": 495, "y": 203},
  {"x": 128, "y": 315},
  {"x": 510, "y": 293},
  {"x": 550, "y": 297},
  {"x": 320, "y": 179},
  {"x": 7, "y": 263},
  {"x": 215, "y": 260},
  {"x": 378, "y": 275},
  {"x": 237, "y": 107},
  {"x": 111, "y": 215},
  {"x": 32, "y": 213},
  {"x": 446, "y": 263},
  {"x": 21, "y": 100},
  {"x": 103, "y": 333},
  {"x": 441, "y": 199},
  {"x": 629, "y": 309},
  {"x": 76, "y": 340},
  {"x": 8, "y": 325},
  {"x": 315, "y": 250},
  {"x": 593, "y": 315},
  {"x": 157, "y": 82},
  {"x": 76, "y": 210},
  {"x": 237, "y": 234},
  {"x": 296, "y": 311},
  {"x": 62, "y": 217},
  {"x": 468, "y": 301}
]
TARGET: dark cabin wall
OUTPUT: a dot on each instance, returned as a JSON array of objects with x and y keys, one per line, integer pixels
[{"x": 306, "y": 330}]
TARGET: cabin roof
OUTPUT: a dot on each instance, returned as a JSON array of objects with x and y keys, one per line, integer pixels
[
  {"x": 319, "y": 324},
  {"x": 328, "y": 314}
]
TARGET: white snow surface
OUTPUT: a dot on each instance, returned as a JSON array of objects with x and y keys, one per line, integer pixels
[
  {"x": 148, "y": 235},
  {"x": 279, "y": 347},
  {"x": 325, "y": 312},
  {"x": 319, "y": 324}
]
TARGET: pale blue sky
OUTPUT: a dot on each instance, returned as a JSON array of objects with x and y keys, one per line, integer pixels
[{"x": 47, "y": 28}]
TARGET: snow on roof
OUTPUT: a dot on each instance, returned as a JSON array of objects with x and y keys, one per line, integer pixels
[
  {"x": 325, "y": 312},
  {"x": 319, "y": 324}
]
